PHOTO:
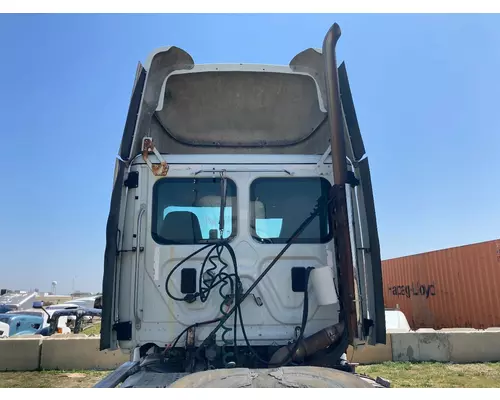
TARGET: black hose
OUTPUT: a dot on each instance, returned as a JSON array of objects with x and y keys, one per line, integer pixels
[
  {"x": 291, "y": 352},
  {"x": 224, "y": 277},
  {"x": 299, "y": 230},
  {"x": 221, "y": 278},
  {"x": 218, "y": 279},
  {"x": 178, "y": 266},
  {"x": 212, "y": 321}
]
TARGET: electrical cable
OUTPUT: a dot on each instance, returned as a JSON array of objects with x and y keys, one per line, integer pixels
[
  {"x": 205, "y": 289},
  {"x": 224, "y": 277},
  {"x": 212, "y": 321},
  {"x": 291, "y": 352},
  {"x": 177, "y": 266},
  {"x": 299, "y": 230}
]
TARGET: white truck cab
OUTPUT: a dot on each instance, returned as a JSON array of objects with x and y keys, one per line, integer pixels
[{"x": 242, "y": 234}]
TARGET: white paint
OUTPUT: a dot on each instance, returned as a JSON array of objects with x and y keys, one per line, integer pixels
[
  {"x": 275, "y": 321},
  {"x": 156, "y": 264},
  {"x": 4, "y": 330}
]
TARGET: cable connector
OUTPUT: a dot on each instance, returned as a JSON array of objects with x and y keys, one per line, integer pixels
[{"x": 190, "y": 297}]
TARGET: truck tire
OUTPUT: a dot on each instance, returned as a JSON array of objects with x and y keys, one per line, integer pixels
[{"x": 285, "y": 377}]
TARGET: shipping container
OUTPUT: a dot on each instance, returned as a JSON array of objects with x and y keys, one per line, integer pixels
[{"x": 450, "y": 288}]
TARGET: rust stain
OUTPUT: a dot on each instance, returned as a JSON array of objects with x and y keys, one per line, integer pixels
[
  {"x": 160, "y": 169},
  {"x": 148, "y": 146},
  {"x": 450, "y": 288}
]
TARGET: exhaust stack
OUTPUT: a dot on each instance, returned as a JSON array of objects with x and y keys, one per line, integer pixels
[{"x": 339, "y": 165}]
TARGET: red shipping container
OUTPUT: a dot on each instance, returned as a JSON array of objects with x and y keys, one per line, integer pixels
[{"x": 451, "y": 288}]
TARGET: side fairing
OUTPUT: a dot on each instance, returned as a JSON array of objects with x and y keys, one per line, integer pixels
[
  {"x": 366, "y": 243},
  {"x": 111, "y": 255}
]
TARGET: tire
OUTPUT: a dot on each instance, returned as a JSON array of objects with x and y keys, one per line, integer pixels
[{"x": 285, "y": 377}]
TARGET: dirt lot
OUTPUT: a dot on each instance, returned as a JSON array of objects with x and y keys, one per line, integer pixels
[
  {"x": 400, "y": 374},
  {"x": 51, "y": 379}
]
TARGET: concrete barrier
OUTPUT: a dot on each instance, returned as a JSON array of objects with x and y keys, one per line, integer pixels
[
  {"x": 70, "y": 353},
  {"x": 20, "y": 354},
  {"x": 458, "y": 345},
  {"x": 467, "y": 347},
  {"x": 404, "y": 346},
  {"x": 77, "y": 352},
  {"x": 421, "y": 346}
]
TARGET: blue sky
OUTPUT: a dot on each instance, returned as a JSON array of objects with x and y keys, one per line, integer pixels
[{"x": 426, "y": 89}]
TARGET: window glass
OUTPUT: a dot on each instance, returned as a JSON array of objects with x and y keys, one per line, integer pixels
[
  {"x": 279, "y": 206},
  {"x": 187, "y": 211}
]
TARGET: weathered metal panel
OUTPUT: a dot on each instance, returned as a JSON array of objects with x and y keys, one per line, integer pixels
[{"x": 451, "y": 288}]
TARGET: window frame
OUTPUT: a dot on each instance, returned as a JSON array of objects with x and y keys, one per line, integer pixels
[
  {"x": 273, "y": 241},
  {"x": 154, "y": 212}
]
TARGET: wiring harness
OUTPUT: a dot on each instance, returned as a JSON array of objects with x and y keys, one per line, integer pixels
[{"x": 210, "y": 279}]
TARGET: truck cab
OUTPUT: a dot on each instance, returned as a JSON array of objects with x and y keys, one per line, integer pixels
[
  {"x": 19, "y": 324},
  {"x": 36, "y": 314},
  {"x": 242, "y": 232}
]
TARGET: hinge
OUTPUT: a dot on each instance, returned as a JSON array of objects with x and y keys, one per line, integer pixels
[
  {"x": 123, "y": 330},
  {"x": 148, "y": 147},
  {"x": 132, "y": 180}
]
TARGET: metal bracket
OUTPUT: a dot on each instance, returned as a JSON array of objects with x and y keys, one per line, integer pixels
[
  {"x": 325, "y": 156},
  {"x": 213, "y": 171},
  {"x": 132, "y": 181},
  {"x": 352, "y": 180},
  {"x": 123, "y": 330},
  {"x": 148, "y": 147},
  {"x": 321, "y": 167}
]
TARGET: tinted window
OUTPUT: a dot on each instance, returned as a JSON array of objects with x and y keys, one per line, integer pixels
[
  {"x": 187, "y": 210},
  {"x": 280, "y": 205}
]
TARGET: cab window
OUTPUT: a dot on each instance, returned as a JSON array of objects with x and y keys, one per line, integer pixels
[
  {"x": 187, "y": 210},
  {"x": 278, "y": 206}
]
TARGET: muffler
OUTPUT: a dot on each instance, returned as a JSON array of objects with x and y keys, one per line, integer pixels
[{"x": 310, "y": 345}]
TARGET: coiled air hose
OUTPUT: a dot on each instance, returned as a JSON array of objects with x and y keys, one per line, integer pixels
[{"x": 222, "y": 277}]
